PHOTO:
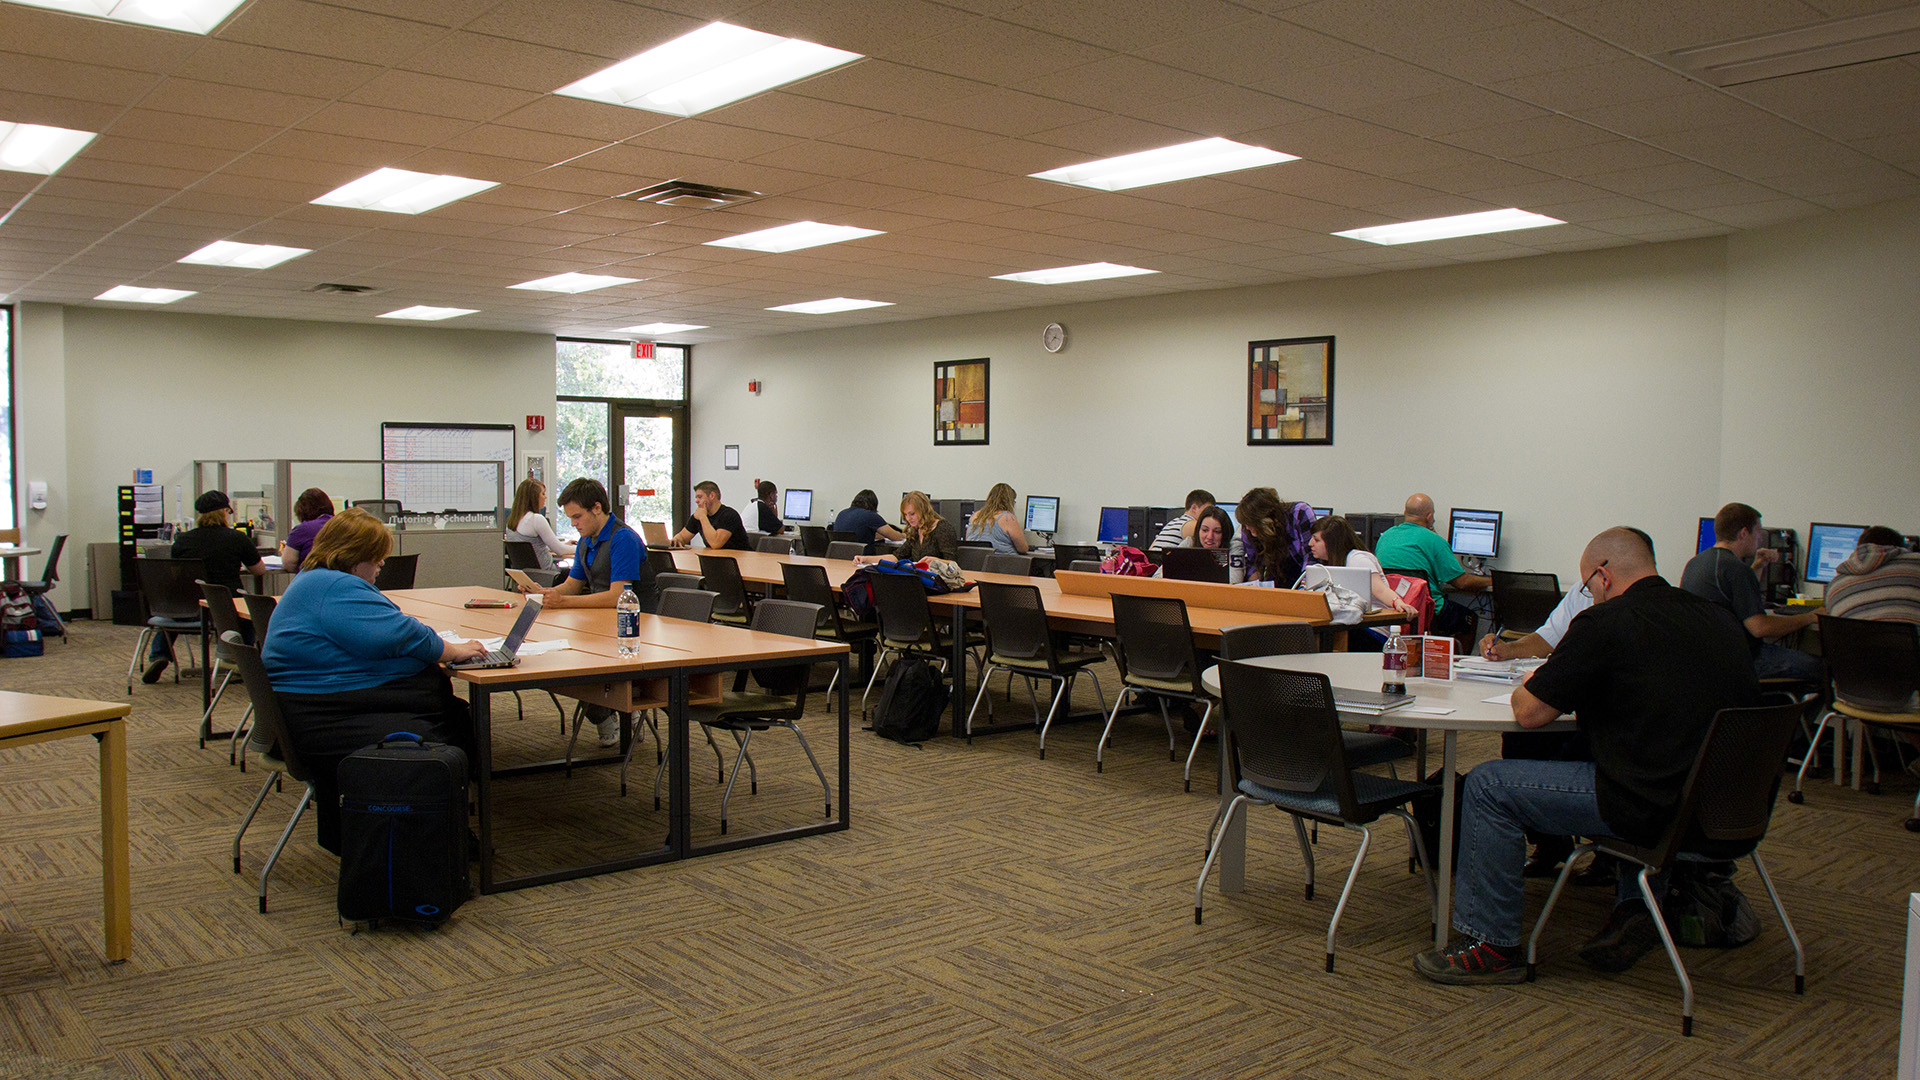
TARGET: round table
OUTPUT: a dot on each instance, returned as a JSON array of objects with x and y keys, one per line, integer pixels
[{"x": 1467, "y": 710}]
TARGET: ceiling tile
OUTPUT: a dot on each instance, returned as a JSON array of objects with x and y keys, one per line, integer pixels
[
  {"x": 997, "y": 52},
  {"x": 868, "y": 29},
  {"x": 337, "y": 33},
  {"x": 65, "y": 78},
  {"x": 518, "y": 65},
  {"x": 235, "y": 63}
]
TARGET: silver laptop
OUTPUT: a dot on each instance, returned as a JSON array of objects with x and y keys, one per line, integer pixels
[
  {"x": 508, "y": 654},
  {"x": 1354, "y": 579}
]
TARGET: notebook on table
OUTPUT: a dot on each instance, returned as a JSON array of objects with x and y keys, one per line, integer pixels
[{"x": 508, "y": 654}]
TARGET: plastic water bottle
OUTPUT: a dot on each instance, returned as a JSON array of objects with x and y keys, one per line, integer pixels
[
  {"x": 628, "y": 622},
  {"x": 1393, "y": 666}
]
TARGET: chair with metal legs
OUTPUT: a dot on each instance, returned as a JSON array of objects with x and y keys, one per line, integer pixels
[
  {"x": 173, "y": 608},
  {"x": 808, "y": 584},
  {"x": 1875, "y": 668},
  {"x": 224, "y": 619},
  {"x": 1153, "y": 645},
  {"x": 907, "y": 625},
  {"x": 721, "y": 574},
  {"x": 1020, "y": 642},
  {"x": 272, "y": 748},
  {"x": 1725, "y": 807}
]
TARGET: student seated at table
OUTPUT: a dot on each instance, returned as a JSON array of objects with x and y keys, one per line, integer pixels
[
  {"x": 609, "y": 559},
  {"x": 1413, "y": 545},
  {"x": 1880, "y": 580},
  {"x": 1334, "y": 543},
  {"x": 862, "y": 519},
  {"x": 715, "y": 523},
  {"x": 1177, "y": 532},
  {"x": 1644, "y": 671},
  {"x": 224, "y": 551},
  {"x": 349, "y": 667},
  {"x": 1728, "y": 574},
  {"x": 1213, "y": 530},
  {"x": 313, "y": 510},
  {"x": 1276, "y": 534},
  {"x": 927, "y": 534},
  {"x": 767, "y": 507},
  {"x": 994, "y": 522},
  {"x": 527, "y": 522}
]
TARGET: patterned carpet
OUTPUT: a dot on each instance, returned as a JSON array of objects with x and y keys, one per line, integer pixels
[{"x": 989, "y": 914}]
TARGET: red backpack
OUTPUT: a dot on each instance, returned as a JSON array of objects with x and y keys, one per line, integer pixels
[
  {"x": 1127, "y": 562},
  {"x": 1414, "y": 591}
]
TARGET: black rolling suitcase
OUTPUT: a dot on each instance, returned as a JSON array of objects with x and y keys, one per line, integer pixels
[{"x": 403, "y": 831}]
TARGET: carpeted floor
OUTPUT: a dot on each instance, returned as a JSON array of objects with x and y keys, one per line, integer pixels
[{"x": 989, "y": 914}]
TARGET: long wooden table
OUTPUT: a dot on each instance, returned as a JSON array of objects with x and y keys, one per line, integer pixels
[
  {"x": 676, "y": 664},
  {"x": 26, "y": 719}
]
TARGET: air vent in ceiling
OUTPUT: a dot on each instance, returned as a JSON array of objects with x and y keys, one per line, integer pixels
[
  {"x": 348, "y": 290},
  {"x": 1858, "y": 39},
  {"x": 691, "y": 196}
]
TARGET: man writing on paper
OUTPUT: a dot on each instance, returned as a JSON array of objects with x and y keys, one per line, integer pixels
[
  {"x": 609, "y": 559},
  {"x": 1643, "y": 671}
]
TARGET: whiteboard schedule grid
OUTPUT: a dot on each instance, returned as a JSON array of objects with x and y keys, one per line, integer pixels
[{"x": 452, "y": 470}]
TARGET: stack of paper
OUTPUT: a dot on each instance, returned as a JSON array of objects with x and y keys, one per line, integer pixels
[{"x": 1499, "y": 671}]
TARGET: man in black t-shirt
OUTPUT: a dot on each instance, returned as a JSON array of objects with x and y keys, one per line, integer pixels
[
  {"x": 716, "y": 524},
  {"x": 225, "y": 551},
  {"x": 1644, "y": 670},
  {"x": 1728, "y": 574}
]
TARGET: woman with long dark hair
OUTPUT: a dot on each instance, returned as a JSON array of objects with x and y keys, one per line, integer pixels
[{"x": 1275, "y": 533}]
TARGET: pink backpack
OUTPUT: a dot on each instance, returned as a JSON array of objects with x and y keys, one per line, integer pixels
[{"x": 1128, "y": 562}]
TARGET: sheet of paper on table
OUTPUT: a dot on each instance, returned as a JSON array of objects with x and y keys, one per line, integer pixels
[{"x": 1499, "y": 699}]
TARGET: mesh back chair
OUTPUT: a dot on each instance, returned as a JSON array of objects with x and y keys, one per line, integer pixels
[
  {"x": 845, "y": 549},
  {"x": 780, "y": 703},
  {"x": 223, "y": 619},
  {"x": 679, "y": 581},
  {"x": 693, "y": 605},
  {"x": 808, "y": 585},
  {"x": 40, "y": 586},
  {"x": 814, "y": 540},
  {"x": 1020, "y": 642},
  {"x": 1021, "y": 565},
  {"x": 972, "y": 557},
  {"x": 1522, "y": 600},
  {"x": 835, "y": 536},
  {"x": 260, "y": 612},
  {"x": 721, "y": 574},
  {"x": 1875, "y": 668},
  {"x": 1289, "y": 755},
  {"x": 271, "y": 747},
  {"x": 1085, "y": 566},
  {"x": 907, "y": 625},
  {"x": 396, "y": 573},
  {"x": 1068, "y": 554},
  {"x": 173, "y": 606},
  {"x": 522, "y": 556},
  {"x": 1364, "y": 748},
  {"x": 1153, "y": 645},
  {"x": 1725, "y": 807},
  {"x": 1193, "y": 564},
  {"x": 774, "y": 545}
]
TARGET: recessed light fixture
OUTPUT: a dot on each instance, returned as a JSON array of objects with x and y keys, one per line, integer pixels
[
  {"x": 1446, "y": 228},
  {"x": 1185, "y": 161},
  {"x": 800, "y": 234},
  {"x": 36, "y": 148},
  {"x": 244, "y": 256},
  {"x": 654, "y": 328},
  {"x": 828, "y": 307},
  {"x": 193, "y": 16},
  {"x": 398, "y": 191},
  {"x": 134, "y": 294},
  {"x": 1060, "y": 275},
  {"x": 428, "y": 314},
  {"x": 706, "y": 69},
  {"x": 574, "y": 283}
]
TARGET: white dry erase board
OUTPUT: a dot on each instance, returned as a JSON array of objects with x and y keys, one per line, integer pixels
[{"x": 431, "y": 485}]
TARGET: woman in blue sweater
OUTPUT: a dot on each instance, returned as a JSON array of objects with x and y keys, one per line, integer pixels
[{"x": 349, "y": 667}]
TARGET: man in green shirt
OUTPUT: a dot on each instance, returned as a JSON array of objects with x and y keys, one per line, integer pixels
[{"x": 1413, "y": 545}]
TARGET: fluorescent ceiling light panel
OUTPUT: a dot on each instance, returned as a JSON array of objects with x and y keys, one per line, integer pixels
[
  {"x": 245, "y": 256},
  {"x": 398, "y": 191},
  {"x": 193, "y": 16},
  {"x": 661, "y": 328},
  {"x": 828, "y": 307},
  {"x": 574, "y": 283},
  {"x": 1205, "y": 157},
  {"x": 35, "y": 148},
  {"x": 706, "y": 69},
  {"x": 428, "y": 314},
  {"x": 800, "y": 234},
  {"x": 1446, "y": 228},
  {"x": 134, "y": 294},
  {"x": 1060, "y": 275}
]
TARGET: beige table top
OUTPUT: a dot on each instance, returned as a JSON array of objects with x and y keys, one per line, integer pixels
[{"x": 27, "y": 714}]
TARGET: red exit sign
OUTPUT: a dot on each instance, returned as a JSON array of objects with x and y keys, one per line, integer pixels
[{"x": 643, "y": 350}]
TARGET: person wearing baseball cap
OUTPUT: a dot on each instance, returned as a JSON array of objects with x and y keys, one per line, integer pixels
[{"x": 224, "y": 549}]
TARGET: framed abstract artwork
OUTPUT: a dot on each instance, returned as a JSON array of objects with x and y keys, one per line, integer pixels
[
  {"x": 1290, "y": 392},
  {"x": 960, "y": 403}
]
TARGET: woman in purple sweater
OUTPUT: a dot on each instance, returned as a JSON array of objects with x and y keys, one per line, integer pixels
[{"x": 313, "y": 510}]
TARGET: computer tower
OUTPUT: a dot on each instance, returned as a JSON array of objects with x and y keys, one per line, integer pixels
[
  {"x": 956, "y": 511},
  {"x": 1368, "y": 527},
  {"x": 1781, "y": 579},
  {"x": 1145, "y": 522}
]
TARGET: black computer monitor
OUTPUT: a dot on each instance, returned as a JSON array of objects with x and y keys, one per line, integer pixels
[
  {"x": 1113, "y": 525},
  {"x": 1828, "y": 545},
  {"x": 1322, "y": 511},
  {"x": 1043, "y": 513},
  {"x": 1705, "y": 539},
  {"x": 1229, "y": 508},
  {"x": 797, "y": 504},
  {"x": 1474, "y": 532}
]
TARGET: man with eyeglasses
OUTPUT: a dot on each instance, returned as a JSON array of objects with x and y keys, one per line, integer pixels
[{"x": 1643, "y": 671}]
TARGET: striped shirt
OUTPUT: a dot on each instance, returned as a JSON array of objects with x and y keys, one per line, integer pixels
[
  {"x": 1877, "y": 582},
  {"x": 1170, "y": 533}
]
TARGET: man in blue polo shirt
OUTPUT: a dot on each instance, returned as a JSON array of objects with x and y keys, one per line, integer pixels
[{"x": 608, "y": 559}]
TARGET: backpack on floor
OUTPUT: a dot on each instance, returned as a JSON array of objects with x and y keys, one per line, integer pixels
[
  {"x": 911, "y": 701},
  {"x": 1706, "y": 909},
  {"x": 403, "y": 831}
]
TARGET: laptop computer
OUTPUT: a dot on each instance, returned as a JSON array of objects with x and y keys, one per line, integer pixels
[
  {"x": 508, "y": 654},
  {"x": 655, "y": 534},
  {"x": 1194, "y": 564},
  {"x": 1354, "y": 579}
]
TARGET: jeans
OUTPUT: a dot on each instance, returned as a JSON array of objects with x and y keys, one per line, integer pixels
[
  {"x": 1502, "y": 800},
  {"x": 1777, "y": 661}
]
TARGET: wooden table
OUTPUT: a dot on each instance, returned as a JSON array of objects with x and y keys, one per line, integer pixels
[
  {"x": 1361, "y": 671},
  {"x": 31, "y": 718}
]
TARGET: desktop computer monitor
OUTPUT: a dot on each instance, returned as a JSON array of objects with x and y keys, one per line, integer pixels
[
  {"x": 1229, "y": 508},
  {"x": 1705, "y": 538},
  {"x": 1113, "y": 525},
  {"x": 1474, "y": 532},
  {"x": 1043, "y": 513},
  {"x": 1322, "y": 511},
  {"x": 1828, "y": 545},
  {"x": 797, "y": 504}
]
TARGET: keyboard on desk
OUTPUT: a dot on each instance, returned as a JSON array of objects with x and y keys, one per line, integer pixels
[{"x": 493, "y": 659}]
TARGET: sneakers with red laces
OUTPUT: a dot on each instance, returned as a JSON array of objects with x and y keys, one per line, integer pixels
[{"x": 1469, "y": 962}]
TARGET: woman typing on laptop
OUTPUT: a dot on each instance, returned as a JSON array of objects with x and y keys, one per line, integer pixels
[
  {"x": 1334, "y": 543},
  {"x": 349, "y": 667}
]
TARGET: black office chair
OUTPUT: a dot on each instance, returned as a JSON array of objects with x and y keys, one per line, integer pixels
[
  {"x": 661, "y": 561},
  {"x": 973, "y": 557},
  {"x": 721, "y": 574},
  {"x": 1153, "y": 645},
  {"x": 522, "y": 556},
  {"x": 1875, "y": 669},
  {"x": 1085, "y": 566},
  {"x": 845, "y": 549},
  {"x": 808, "y": 584},
  {"x": 40, "y": 586},
  {"x": 1193, "y": 564},
  {"x": 774, "y": 545},
  {"x": 814, "y": 541},
  {"x": 1522, "y": 600},
  {"x": 1065, "y": 555},
  {"x": 1725, "y": 808},
  {"x": 173, "y": 607},
  {"x": 1020, "y": 642},
  {"x": 1364, "y": 748},
  {"x": 907, "y": 625},
  {"x": 834, "y": 536},
  {"x": 272, "y": 748},
  {"x": 224, "y": 619},
  {"x": 1020, "y": 565},
  {"x": 396, "y": 573}
]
